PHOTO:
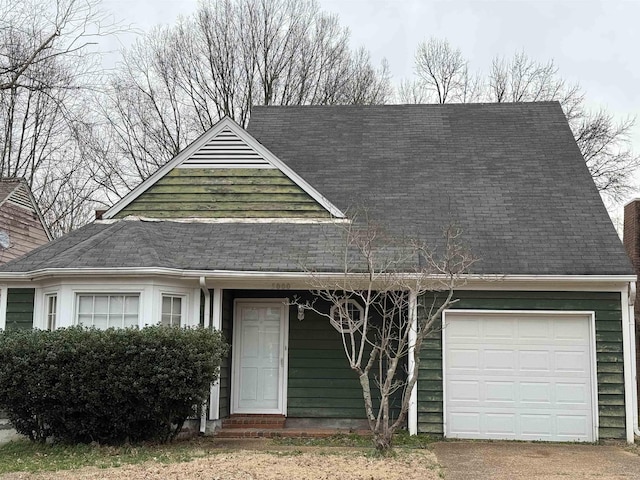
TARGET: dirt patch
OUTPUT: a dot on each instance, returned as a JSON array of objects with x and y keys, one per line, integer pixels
[
  {"x": 310, "y": 464},
  {"x": 535, "y": 461}
]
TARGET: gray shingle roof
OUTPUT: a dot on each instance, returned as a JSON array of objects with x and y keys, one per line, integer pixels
[
  {"x": 193, "y": 246},
  {"x": 510, "y": 175}
]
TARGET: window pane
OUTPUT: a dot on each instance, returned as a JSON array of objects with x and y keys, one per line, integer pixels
[
  {"x": 166, "y": 320},
  {"x": 177, "y": 306},
  {"x": 107, "y": 311},
  {"x": 131, "y": 305},
  {"x": 86, "y": 304},
  {"x": 84, "y": 320},
  {"x": 166, "y": 305},
  {"x": 101, "y": 305},
  {"x": 100, "y": 321},
  {"x": 116, "y": 305},
  {"x": 130, "y": 321}
]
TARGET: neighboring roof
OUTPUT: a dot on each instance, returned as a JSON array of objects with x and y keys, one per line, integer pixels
[
  {"x": 510, "y": 175},
  {"x": 16, "y": 190},
  {"x": 7, "y": 186}
]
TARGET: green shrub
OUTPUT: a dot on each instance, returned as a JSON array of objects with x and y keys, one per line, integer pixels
[{"x": 81, "y": 385}]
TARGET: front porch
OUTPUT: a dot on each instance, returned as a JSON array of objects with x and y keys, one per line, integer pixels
[{"x": 286, "y": 374}]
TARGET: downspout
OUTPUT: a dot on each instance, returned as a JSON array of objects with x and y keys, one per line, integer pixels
[
  {"x": 207, "y": 322},
  {"x": 634, "y": 359},
  {"x": 413, "y": 331},
  {"x": 207, "y": 302}
]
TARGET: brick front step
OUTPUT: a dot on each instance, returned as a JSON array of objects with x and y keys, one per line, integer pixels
[
  {"x": 282, "y": 433},
  {"x": 264, "y": 422}
]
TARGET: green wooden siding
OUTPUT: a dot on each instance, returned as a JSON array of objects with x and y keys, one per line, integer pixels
[
  {"x": 321, "y": 383},
  {"x": 224, "y": 193},
  {"x": 20, "y": 308},
  {"x": 609, "y": 354}
]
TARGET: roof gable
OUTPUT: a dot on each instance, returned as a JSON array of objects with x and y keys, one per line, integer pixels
[
  {"x": 225, "y": 173},
  {"x": 16, "y": 192}
]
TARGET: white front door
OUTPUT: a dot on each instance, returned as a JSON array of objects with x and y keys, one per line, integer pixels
[{"x": 259, "y": 357}]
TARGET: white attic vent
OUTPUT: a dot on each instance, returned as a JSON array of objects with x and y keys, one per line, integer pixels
[
  {"x": 20, "y": 196},
  {"x": 226, "y": 150}
]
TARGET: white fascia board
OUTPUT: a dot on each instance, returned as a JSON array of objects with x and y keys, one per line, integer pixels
[
  {"x": 38, "y": 212},
  {"x": 226, "y": 122},
  {"x": 471, "y": 282},
  {"x": 284, "y": 168}
]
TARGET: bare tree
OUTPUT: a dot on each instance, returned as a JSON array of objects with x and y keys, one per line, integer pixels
[
  {"x": 401, "y": 287},
  {"x": 443, "y": 76},
  {"x": 229, "y": 55},
  {"x": 443, "y": 72},
  {"x": 35, "y": 32},
  {"x": 47, "y": 65}
]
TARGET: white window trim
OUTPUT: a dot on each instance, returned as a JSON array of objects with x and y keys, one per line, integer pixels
[
  {"x": 108, "y": 292},
  {"x": 339, "y": 326},
  {"x": 56, "y": 313},
  {"x": 187, "y": 309},
  {"x": 183, "y": 306},
  {"x": 3, "y": 306}
]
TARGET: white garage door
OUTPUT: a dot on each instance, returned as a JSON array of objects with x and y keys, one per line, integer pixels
[{"x": 514, "y": 375}]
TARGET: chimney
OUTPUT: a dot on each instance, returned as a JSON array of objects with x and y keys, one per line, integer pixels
[
  {"x": 631, "y": 240},
  {"x": 99, "y": 214}
]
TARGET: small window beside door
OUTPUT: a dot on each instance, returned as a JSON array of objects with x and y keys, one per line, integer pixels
[
  {"x": 51, "y": 301},
  {"x": 172, "y": 310}
]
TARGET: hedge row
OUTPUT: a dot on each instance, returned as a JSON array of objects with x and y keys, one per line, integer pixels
[{"x": 83, "y": 385}]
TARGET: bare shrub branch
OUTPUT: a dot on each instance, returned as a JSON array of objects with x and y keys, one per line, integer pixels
[{"x": 381, "y": 272}]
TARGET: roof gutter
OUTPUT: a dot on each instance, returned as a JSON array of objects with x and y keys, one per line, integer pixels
[{"x": 257, "y": 275}]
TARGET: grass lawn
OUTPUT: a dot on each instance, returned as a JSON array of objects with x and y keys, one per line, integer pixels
[
  {"x": 24, "y": 456},
  {"x": 229, "y": 459}
]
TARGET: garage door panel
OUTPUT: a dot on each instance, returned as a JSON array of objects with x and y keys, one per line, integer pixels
[
  {"x": 464, "y": 328},
  {"x": 575, "y": 394},
  {"x": 464, "y": 391},
  {"x": 534, "y": 361},
  {"x": 533, "y": 382},
  {"x": 498, "y": 360},
  {"x": 503, "y": 392},
  {"x": 539, "y": 425},
  {"x": 573, "y": 331},
  {"x": 465, "y": 424},
  {"x": 572, "y": 362},
  {"x": 500, "y": 329},
  {"x": 535, "y": 392},
  {"x": 464, "y": 359},
  {"x": 531, "y": 331},
  {"x": 501, "y": 424},
  {"x": 570, "y": 426}
]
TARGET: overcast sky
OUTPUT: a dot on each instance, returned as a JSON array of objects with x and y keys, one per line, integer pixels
[{"x": 594, "y": 43}]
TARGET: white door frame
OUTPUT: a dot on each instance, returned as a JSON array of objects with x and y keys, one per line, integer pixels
[
  {"x": 592, "y": 353},
  {"x": 284, "y": 349}
]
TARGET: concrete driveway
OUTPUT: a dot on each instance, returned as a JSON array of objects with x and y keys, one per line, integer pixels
[{"x": 508, "y": 460}]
